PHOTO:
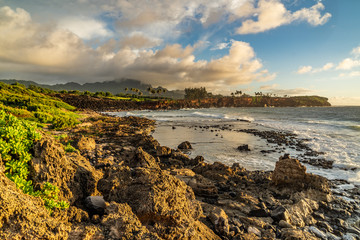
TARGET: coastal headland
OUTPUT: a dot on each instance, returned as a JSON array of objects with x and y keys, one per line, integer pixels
[
  {"x": 120, "y": 183},
  {"x": 106, "y": 104}
]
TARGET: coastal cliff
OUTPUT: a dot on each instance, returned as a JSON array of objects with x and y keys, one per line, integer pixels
[{"x": 107, "y": 104}]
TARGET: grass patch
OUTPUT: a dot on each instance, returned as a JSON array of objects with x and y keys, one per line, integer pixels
[{"x": 33, "y": 104}]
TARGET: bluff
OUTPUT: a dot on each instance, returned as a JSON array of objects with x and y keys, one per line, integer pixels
[{"x": 106, "y": 104}]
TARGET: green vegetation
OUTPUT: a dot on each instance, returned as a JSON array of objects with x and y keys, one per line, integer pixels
[
  {"x": 33, "y": 104},
  {"x": 69, "y": 148},
  {"x": 196, "y": 93},
  {"x": 310, "y": 100},
  {"x": 17, "y": 137}
]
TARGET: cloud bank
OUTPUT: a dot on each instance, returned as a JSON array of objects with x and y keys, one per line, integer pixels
[{"x": 37, "y": 49}]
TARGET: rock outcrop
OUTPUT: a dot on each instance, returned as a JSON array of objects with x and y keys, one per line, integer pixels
[
  {"x": 292, "y": 174},
  {"x": 73, "y": 174},
  {"x": 25, "y": 217}
]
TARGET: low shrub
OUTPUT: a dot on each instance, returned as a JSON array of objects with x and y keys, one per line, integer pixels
[{"x": 17, "y": 137}]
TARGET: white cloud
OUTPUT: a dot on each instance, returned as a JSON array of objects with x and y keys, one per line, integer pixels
[
  {"x": 85, "y": 28},
  {"x": 327, "y": 66},
  {"x": 348, "y": 64},
  {"x": 304, "y": 69},
  {"x": 272, "y": 14},
  {"x": 47, "y": 50},
  {"x": 356, "y": 51},
  {"x": 310, "y": 69}
]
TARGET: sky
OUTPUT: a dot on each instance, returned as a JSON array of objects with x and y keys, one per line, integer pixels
[{"x": 283, "y": 47}]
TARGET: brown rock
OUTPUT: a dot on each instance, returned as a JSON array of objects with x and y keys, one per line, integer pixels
[
  {"x": 121, "y": 223},
  {"x": 161, "y": 201},
  {"x": 185, "y": 145},
  {"x": 73, "y": 174},
  {"x": 143, "y": 159},
  {"x": 25, "y": 217},
  {"x": 85, "y": 144},
  {"x": 291, "y": 174},
  {"x": 162, "y": 151},
  {"x": 220, "y": 220},
  {"x": 296, "y": 234}
]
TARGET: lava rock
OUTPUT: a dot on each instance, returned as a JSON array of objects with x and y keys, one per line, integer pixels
[
  {"x": 95, "y": 205},
  {"x": 244, "y": 147},
  {"x": 185, "y": 146}
]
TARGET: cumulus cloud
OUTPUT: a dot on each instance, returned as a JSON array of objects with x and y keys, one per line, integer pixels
[
  {"x": 304, "y": 69},
  {"x": 47, "y": 49},
  {"x": 348, "y": 64},
  {"x": 356, "y": 51},
  {"x": 85, "y": 28},
  {"x": 272, "y": 14},
  {"x": 310, "y": 69},
  {"x": 138, "y": 40}
]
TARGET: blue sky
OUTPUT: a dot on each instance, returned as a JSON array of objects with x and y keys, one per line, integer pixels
[{"x": 284, "y": 47}]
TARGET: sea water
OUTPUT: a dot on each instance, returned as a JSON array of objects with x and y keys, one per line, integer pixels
[{"x": 332, "y": 130}]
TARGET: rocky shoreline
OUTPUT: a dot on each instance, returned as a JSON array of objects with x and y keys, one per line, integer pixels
[
  {"x": 108, "y": 104},
  {"x": 121, "y": 184}
]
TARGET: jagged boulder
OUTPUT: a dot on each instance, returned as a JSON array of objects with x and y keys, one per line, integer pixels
[
  {"x": 142, "y": 159},
  {"x": 25, "y": 217},
  {"x": 85, "y": 144},
  {"x": 291, "y": 173},
  {"x": 121, "y": 223},
  {"x": 162, "y": 202},
  {"x": 185, "y": 145},
  {"x": 73, "y": 174}
]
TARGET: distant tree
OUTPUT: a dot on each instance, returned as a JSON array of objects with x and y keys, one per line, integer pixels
[
  {"x": 108, "y": 94},
  {"x": 196, "y": 93},
  {"x": 238, "y": 92},
  {"x": 126, "y": 89}
]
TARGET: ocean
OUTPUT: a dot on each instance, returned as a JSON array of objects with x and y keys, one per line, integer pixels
[{"x": 215, "y": 134}]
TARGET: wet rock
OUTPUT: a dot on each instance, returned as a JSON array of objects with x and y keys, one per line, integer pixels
[
  {"x": 185, "y": 145},
  {"x": 317, "y": 232},
  {"x": 349, "y": 236},
  {"x": 244, "y": 147},
  {"x": 331, "y": 236},
  {"x": 95, "y": 205}
]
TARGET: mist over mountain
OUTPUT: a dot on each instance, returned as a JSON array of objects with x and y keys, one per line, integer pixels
[{"x": 115, "y": 86}]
